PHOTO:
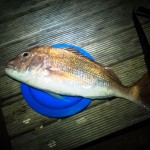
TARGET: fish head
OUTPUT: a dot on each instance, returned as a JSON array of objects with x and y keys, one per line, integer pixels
[{"x": 29, "y": 64}]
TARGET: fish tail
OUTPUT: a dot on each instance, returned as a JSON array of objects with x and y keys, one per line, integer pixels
[{"x": 140, "y": 91}]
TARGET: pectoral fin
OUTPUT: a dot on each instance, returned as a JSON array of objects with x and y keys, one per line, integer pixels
[{"x": 59, "y": 97}]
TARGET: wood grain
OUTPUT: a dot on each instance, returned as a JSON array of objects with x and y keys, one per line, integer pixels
[
  {"x": 49, "y": 18},
  {"x": 14, "y": 9},
  {"x": 84, "y": 127}
]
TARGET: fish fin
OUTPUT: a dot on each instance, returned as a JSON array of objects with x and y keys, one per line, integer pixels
[
  {"x": 56, "y": 96},
  {"x": 75, "y": 51},
  {"x": 140, "y": 91}
]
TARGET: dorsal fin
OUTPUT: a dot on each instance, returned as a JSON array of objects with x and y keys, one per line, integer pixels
[{"x": 75, "y": 51}]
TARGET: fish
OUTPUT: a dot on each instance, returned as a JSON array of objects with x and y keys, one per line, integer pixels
[{"x": 65, "y": 71}]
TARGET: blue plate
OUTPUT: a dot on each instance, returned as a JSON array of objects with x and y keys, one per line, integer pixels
[{"x": 51, "y": 105}]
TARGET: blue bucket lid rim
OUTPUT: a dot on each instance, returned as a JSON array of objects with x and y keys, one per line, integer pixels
[{"x": 49, "y": 105}]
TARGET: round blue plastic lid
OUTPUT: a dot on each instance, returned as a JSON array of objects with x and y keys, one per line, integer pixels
[{"x": 51, "y": 105}]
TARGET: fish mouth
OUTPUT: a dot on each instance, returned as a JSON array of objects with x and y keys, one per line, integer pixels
[{"x": 10, "y": 66}]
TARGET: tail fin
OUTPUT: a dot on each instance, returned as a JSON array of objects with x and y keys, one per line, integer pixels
[{"x": 140, "y": 91}]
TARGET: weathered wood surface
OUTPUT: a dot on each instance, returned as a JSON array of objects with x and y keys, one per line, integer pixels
[
  {"x": 106, "y": 30},
  {"x": 81, "y": 128},
  {"x": 56, "y": 16},
  {"x": 13, "y": 9}
]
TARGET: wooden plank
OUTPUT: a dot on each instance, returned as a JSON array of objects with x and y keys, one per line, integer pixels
[
  {"x": 135, "y": 137},
  {"x": 118, "y": 47},
  {"x": 109, "y": 51},
  {"x": 84, "y": 127},
  {"x": 13, "y": 9},
  {"x": 19, "y": 118},
  {"x": 39, "y": 21},
  {"x": 8, "y": 87},
  {"x": 50, "y": 17},
  {"x": 17, "y": 112}
]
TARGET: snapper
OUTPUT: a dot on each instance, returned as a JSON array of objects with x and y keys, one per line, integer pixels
[{"x": 65, "y": 71}]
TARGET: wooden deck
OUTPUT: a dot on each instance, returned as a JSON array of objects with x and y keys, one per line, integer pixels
[{"x": 102, "y": 27}]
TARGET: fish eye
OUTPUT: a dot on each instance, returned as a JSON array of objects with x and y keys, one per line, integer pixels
[{"x": 25, "y": 54}]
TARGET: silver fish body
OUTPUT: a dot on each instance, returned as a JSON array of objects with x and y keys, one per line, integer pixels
[{"x": 67, "y": 72}]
